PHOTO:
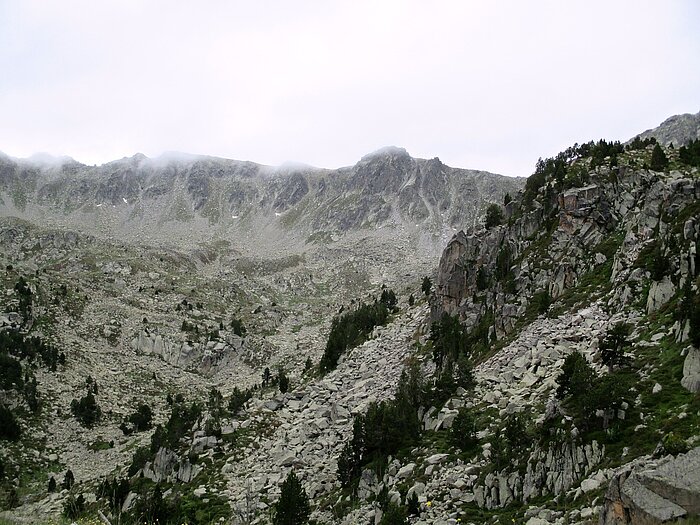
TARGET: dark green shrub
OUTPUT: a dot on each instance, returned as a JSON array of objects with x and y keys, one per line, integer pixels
[
  {"x": 283, "y": 381},
  {"x": 238, "y": 399},
  {"x": 541, "y": 302},
  {"x": 388, "y": 299},
  {"x": 659, "y": 161},
  {"x": 293, "y": 506},
  {"x": 9, "y": 428},
  {"x": 576, "y": 376},
  {"x": 394, "y": 515},
  {"x": 10, "y": 372},
  {"x": 68, "y": 480},
  {"x": 351, "y": 329},
  {"x": 690, "y": 153},
  {"x": 674, "y": 444},
  {"x": 237, "y": 327},
  {"x": 386, "y": 427},
  {"x": 503, "y": 262},
  {"x": 612, "y": 345},
  {"x": 449, "y": 339},
  {"x": 138, "y": 421},
  {"x": 463, "y": 431},
  {"x": 426, "y": 286},
  {"x": 494, "y": 216},
  {"x": 139, "y": 459},
  {"x": 482, "y": 279},
  {"x": 73, "y": 507},
  {"x": 86, "y": 410}
]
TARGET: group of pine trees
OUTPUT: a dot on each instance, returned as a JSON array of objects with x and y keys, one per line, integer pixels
[{"x": 353, "y": 327}]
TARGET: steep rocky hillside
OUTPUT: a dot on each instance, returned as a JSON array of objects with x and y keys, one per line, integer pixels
[{"x": 597, "y": 259}]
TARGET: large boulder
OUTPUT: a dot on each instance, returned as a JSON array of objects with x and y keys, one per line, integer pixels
[
  {"x": 660, "y": 293},
  {"x": 654, "y": 494}
]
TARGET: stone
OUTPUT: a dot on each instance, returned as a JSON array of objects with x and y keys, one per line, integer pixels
[
  {"x": 405, "y": 471},
  {"x": 436, "y": 459},
  {"x": 656, "y": 389},
  {"x": 418, "y": 489},
  {"x": 588, "y": 485},
  {"x": 660, "y": 292},
  {"x": 656, "y": 494},
  {"x": 536, "y": 521},
  {"x": 691, "y": 371}
]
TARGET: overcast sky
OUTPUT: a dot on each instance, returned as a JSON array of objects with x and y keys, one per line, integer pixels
[{"x": 488, "y": 85}]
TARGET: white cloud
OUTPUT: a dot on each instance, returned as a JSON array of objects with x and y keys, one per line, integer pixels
[{"x": 488, "y": 85}]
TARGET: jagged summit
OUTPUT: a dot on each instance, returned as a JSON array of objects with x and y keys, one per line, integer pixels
[
  {"x": 386, "y": 151},
  {"x": 677, "y": 130}
]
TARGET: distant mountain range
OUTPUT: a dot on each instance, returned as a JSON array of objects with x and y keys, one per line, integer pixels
[{"x": 178, "y": 196}]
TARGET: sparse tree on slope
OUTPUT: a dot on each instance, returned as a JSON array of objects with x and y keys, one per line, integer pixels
[{"x": 293, "y": 506}]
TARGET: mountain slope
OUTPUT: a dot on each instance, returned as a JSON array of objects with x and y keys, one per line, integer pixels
[{"x": 179, "y": 199}]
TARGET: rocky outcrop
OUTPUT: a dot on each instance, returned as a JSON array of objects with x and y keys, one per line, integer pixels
[
  {"x": 691, "y": 370},
  {"x": 167, "y": 466},
  {"x": 654, "y": 493},
  {"x": 204, "y": 356},
  {"x": 521, "y": 259}
]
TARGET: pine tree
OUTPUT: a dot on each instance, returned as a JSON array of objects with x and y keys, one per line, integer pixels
[
  {"x": 266, "y": 377},
  {"x": 494, "y": 216},
  {"x": 293, "y": 506},
  {"x": 659, "y": 161},
  {"x": 427, "y": 285},
  {"x": 283, "y": 381},
  {"x": 68, "y": 479}
]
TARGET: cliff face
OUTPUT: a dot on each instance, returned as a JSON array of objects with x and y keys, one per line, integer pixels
[{"x": 592, "y": 232}]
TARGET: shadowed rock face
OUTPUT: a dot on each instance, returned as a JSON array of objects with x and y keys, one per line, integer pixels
[{"x": 387, "y": 188}]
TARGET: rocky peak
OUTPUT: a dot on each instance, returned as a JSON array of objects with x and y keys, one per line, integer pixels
[{"x": 677, "y": 130}]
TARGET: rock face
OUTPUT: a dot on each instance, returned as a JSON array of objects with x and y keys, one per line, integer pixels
[
  {"x": 520, "y": 259},
  {"x": 676, "y": 130},
  {"x": 203, "y": 356},
  {"x": 653, "y": 494},
  {"x": 215, "y": 197},
  {"x": 691, "y": 370}
]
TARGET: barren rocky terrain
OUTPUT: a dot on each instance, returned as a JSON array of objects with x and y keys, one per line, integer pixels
[{"x": 529, "y": 354}]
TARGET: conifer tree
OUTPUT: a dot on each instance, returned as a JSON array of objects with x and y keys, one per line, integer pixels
[
  {"x": 293, "y": 506},
  {"x": 659, "y": 161}
]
